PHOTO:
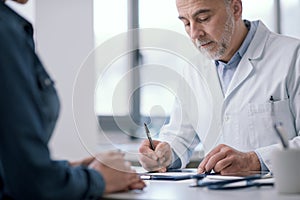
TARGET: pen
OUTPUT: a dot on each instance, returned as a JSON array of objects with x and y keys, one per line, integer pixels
[
  {"x": 149, "y": 136},
  {"x": 281, "y": 134},
  {"x": 272, "y": 108}
]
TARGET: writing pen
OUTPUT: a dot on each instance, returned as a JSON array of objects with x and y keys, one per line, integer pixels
[
  {"x": 149, "y": 136},
  {"x": 272, "y": 105},
  {"x": 280, "y": 131},
  {"x": 282, "y": 134}
]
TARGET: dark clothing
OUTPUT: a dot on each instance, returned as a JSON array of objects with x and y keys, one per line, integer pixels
[{"x": 29, "y": 108}]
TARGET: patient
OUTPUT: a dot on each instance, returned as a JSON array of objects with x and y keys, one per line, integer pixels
[{"x": 29, "y": 107}]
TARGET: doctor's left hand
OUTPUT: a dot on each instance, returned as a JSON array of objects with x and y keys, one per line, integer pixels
[{"x": 226, "y": 160}]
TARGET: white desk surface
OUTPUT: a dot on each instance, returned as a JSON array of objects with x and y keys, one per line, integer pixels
[{"x": 180, "y": 190}]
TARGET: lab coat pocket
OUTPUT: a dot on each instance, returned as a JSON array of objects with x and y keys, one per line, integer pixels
[{"x": 261, "y": 121}]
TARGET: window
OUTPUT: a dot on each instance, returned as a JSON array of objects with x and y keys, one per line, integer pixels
[
  {"x": 260, "y": 10},
  {"x": 110, "y": 20},
  {"x": 156, "y": 100},
  {"x": 289, "y": 18}
]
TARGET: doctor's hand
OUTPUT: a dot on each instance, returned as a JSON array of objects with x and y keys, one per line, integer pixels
[
  {"x": 117, "y": 172},
  {"x": 226, "y": 160},
  {"x": 157, "y": 160}
]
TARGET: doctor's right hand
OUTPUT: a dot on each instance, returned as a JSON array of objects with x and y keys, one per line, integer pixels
[{"x": 157, "y": 160}]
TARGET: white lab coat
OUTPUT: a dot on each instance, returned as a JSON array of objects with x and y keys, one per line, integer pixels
[{"x": 242, "y": 117}]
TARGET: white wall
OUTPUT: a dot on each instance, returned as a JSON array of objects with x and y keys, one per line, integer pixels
[{"x": 64, "y": 35}]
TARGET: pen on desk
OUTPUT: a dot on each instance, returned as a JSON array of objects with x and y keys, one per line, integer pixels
[{"x": 149, "y": 136}]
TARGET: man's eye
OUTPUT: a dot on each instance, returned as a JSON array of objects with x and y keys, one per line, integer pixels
[
  {"x": 186, "y": 24},
  {"x": 202, "y": 19}
]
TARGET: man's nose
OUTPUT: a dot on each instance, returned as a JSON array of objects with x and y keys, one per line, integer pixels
[{"x": 196, "y": 31}]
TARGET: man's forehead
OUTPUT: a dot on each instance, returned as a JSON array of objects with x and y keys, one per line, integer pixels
[
  {"x": 187, "y": 3},
  {"x": 190, "y": 7}
]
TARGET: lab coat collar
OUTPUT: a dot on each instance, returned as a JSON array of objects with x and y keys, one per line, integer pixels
[{"x": 257, "y": 46}]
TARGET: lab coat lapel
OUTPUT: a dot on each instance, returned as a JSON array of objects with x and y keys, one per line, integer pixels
[
  {"x": 246, "y": 65},
  {"x": 210, "y": 139},
  {"x": 242, "y": 72}
]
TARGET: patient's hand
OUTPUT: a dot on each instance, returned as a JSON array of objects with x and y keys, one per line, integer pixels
[{"x": 116, "y": 172}]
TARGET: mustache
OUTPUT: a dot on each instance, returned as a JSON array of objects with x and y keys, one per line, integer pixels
[{"x": 199, "y": 43}]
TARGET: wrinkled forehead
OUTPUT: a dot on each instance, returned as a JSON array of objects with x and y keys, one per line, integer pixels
[
  {"x": 191, "y": 3},
  {"x": 188, "y": 7},
  {"x": 201, "y": 1}
]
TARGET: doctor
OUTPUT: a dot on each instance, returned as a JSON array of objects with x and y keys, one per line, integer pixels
[{"x": 255, "y": 71}]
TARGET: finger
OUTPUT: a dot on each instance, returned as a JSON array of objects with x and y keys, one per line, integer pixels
[
  {"x": 201, "y": 167},
  {"x": 146, "y": 150},
  {"x": 223, "y": 166},
  {"x": 165, "y": 162},
  {"x": 147, "y": 144},
  {"x": 148, "y": 160},
  {"x": 162, "y": 149},
  {"x": 139, "y": 185},
  {"x": 109, "y": 157},
  {"x": 162, "y": 170},
  {"x": 120, "y": 165},
  {"x": 162, "y": 160},
  {"x": 110, "y": 154},
  {"x": 211, "y": 163},
  {"x": 133, "y": 177},
  {"x": 127, "y": 166},
  {"x": 148, "y": 163},
  {"x": 135, "y": 181}
]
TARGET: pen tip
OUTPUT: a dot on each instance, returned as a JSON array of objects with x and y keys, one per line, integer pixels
[{"x": 146, "y": 128}]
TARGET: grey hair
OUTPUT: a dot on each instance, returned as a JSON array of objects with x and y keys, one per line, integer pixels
[
  {"x": 227, "y": 5},
  {"x": 227, "y": 2}
]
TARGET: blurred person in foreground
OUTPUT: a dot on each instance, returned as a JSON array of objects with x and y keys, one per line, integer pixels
[{"x": 29, "y": 108}]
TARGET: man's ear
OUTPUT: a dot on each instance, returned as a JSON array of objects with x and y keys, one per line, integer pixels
[{"x": 237, "y": 7}]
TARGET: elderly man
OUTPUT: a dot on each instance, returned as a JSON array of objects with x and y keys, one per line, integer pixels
[{"x": 257, "y": 71}]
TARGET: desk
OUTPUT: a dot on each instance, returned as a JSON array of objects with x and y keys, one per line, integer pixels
[{"x": 180, "y": 190}]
